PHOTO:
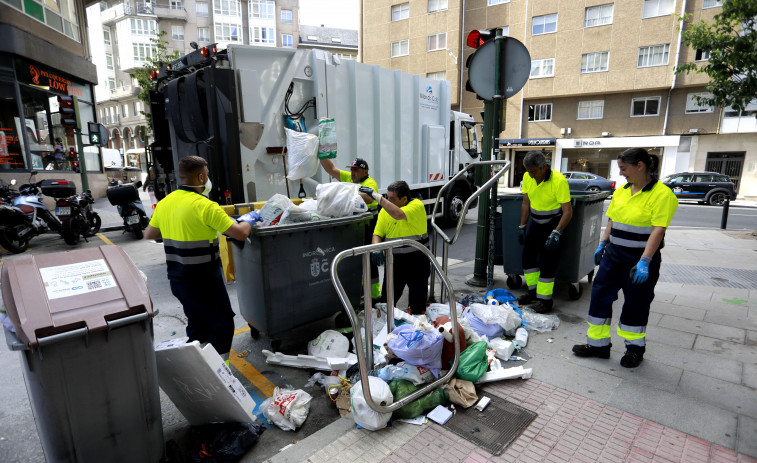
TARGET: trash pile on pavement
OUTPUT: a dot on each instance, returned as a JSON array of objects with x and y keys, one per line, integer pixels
[{"x": 417, "y": 352}]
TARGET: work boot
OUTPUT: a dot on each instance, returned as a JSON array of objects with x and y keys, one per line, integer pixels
[
  {"x": 631, "y": 359},
  {"x": 585, "y": 350},
  {"x": 527, "y": 298},
  {"x": 541, "y": 306}
]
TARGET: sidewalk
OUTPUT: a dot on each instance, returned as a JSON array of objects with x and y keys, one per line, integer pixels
[{"x": 693, "y": 399}]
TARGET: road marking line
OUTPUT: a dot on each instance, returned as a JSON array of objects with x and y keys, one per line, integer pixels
[
  {"x": 102, "y": 237},
  {"x": 241, "y": 330},
  {"x": 251, "y": 373}
]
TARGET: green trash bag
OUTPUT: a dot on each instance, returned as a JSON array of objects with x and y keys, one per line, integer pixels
[
  {"x": 473, "y": 363},
  {"x": 402, "y": 388}
]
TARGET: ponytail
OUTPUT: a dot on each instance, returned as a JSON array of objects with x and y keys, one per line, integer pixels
[{"x": 636, "y": 155}]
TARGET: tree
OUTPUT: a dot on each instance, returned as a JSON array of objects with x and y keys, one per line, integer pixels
[
  {"x": 160, "y": 54},
  {"x": 732, "y": 43}
]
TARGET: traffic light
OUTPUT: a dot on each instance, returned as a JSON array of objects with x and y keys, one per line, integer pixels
[
  {"x": 514, "y": 67},
  {"x": 98, "y": 134},
  {"x": 69, "y": 111},
  {"x": 476, "y": 39}
]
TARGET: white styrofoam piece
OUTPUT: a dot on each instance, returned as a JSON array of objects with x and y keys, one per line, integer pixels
[
  {"x": 503, "y": 348},
  {"x": 200, "y": 384},
  {"x": 506, "y": 373},
  {"x": 309, "y": 361}
]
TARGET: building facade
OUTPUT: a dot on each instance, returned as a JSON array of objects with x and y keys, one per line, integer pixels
[
  {"x": 602, "y": 80},
  {"x": 339, "y": 42},
  {"x": 44, "y": 54}
]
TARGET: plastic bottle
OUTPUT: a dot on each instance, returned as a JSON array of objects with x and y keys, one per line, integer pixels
[
  {"x": 521, "y": 338},
  {"x": 391, "y": 372}
]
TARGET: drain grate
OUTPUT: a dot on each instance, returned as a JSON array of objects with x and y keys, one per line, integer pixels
[
  {"x": 494, "y": 428},
  {"x": 708, "y": 276}
]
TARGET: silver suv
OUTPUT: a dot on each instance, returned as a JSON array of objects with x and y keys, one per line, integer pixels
[{"x": 706, "y": 187}]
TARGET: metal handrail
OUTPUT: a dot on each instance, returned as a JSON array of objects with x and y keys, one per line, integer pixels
[
  {"x": 438, "y": 231},
  {"x": 361, "y": 353}
]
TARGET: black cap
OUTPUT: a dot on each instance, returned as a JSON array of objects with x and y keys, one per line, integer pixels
[{"x": 358, "y": 162}]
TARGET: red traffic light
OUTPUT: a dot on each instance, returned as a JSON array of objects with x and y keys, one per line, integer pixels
[
  {"x": 476, "y": 38},
  {"x": 68, "y": 109}
]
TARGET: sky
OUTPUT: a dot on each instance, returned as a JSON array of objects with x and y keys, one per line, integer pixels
[{"x": 342, "y": 14}]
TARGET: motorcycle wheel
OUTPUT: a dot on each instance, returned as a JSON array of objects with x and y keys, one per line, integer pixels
[
  {"x": 138, "y": 233},
  {"x": 94, "y": 223},
  {"x": 69, "y": 234},
  {"x": 13, "y": 244}
]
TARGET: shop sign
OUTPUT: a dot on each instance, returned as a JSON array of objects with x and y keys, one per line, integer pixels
[
  {"x": 518, "y": 142},
  {"x": 579, "y": 143},
  {"x": 41, "y": 76}
]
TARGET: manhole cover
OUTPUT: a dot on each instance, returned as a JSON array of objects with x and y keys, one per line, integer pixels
[
  {"x": 494, "y": 428},
  {"x": 708, "y": 276}
]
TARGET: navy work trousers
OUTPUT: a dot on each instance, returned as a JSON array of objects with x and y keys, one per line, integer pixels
[
  {"x": 534, "y": 254},
  {"x": 411, "y": 269},
  {"x": 210, "y": 317}
]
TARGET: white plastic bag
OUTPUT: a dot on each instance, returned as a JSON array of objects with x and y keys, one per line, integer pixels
[
  {"x": 339, "y": 199},
  {"x": 287, "y": 408},
  {"x": 364, "y": 415},
  {"x": 274, "y": 208},
  {"x": 302, "y": 154},
  {"x": 503, "y": 315},
  {"x": 297, "y": 214},
  {"x": 330, "y": 343}
]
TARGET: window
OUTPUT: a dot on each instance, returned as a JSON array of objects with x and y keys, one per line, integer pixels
[
  {"x": 438, "y": 75},
  {"x": 286, "y": 16},
  {"x": 540, "y": 112},
  {"x": 648, "y": 106},
  {"x": 656, "y": 55},
  {"x": 227, "y": 33},
  {"x": 142, "y": 52},
  {"x": 598, "y": 15},
  {"x": 437, "y": 42},
  {"x": 175, "y": 5},
  {"x": 693, "y": 106},
  {"x": 111, "y": 83},
  {"x": 544, "y": 24},
  {"x": 136, "y": 108},
  {"x": 142, "y": 27},
  {"x": 654, "y": 8},
  {"x": 286, "y": 40},
  {"x": 263, "y": 9},
  {"x": 594, "y": 62},
  {"x": 203, "y": 34},
  {"x": 263, "y": 35},
  {"x": 400, "y": 48},
  {"x": 226, "y": 7},
  {"x": 711, "y": 3},
  {"x": 60, "y": 15},
  {"x": 591, "y": 109},
  {"x": 202, "y": 8},
  {"x": 126, "y": 110},
  {"x": 106, "y": 35},
  {"x": 702, "y": 55},
  {"x": 401, "y": 11},
  {"x": 177, "y": 32},
  {"x": 543, "y": 67},
  {"x": 436, "y": 5},
  {"x": 496, "y": 2},
  {"x": 109, "y": 61}
]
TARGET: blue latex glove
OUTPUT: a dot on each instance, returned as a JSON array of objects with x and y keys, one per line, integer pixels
[
  {"x": 553, "y": 241},
  {"x": 640, "y": 272},
  {"x": 599, "y": 252},
  {"x": 522, "y": 234},
  {"x": 251, "y": 217},
  {"x": 377, "y": 258}
]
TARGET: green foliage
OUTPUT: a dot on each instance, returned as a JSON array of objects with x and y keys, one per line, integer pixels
[
  {"x": 160, "y": 54},
  {"x": 732, "y": 42}
]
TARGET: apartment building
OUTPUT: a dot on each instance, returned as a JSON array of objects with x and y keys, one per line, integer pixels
[
  {"x": 602, "y": 80},
  {"x": 121, "y": 32},
  {"x": 339, "y": 42}
]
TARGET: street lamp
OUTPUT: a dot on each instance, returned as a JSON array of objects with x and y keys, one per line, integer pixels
[{"x": 449, "y": 52}]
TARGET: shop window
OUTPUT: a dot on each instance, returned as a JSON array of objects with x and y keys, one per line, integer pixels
[
  {"x": 11, "y": 144},
  {"x": 47, "y": 139}
]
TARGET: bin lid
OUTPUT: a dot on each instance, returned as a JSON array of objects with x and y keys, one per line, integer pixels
[
  {"x": 55, "y": 293},
  {"x": 319, "y": 224}
]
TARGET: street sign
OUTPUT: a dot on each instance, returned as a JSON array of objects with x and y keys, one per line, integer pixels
[{"x": 515, "y": 69}]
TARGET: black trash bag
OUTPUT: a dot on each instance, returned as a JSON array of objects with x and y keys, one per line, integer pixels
[
  {"x": 222, "y": 442},
  {"x": 469, "y": 299}
]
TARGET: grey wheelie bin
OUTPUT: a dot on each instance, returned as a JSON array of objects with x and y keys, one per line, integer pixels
[
  {"x": 577, "y": 244},
  {"x": 83, "y": 325},
  {"x": 283, "y": 272}
]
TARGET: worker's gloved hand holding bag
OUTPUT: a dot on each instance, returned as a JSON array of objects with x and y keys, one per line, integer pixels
[
  {"x": 251, "y": 217},
  {"x": 553, "y": 241},
  {"x": 640, "y": 272},
  {"x": 370, "y": 192},
  {"x": 599, "y": 252}
]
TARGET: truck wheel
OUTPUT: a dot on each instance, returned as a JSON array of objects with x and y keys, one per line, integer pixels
[
  {"x": 717, "y": 198},
  {"x": 453, "y": 207},
  {"x": 514, "y": 281}
]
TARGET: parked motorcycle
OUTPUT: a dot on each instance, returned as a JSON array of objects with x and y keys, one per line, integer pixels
[
  {"x": 25, "y": 218},
  {"x": 74, "y": 211},
  {"x": 125, "y": 196}
]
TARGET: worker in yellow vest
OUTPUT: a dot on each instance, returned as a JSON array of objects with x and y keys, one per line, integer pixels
[{"x": 546, "y": 200}]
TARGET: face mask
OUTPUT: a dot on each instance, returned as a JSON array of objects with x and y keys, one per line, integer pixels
[{"x": 208, "y": 185}]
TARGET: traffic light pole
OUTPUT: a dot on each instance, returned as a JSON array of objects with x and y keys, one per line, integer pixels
[{"x": 82, "y": 162}]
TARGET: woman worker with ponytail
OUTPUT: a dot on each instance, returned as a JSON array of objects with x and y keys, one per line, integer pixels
[{"x": 629, "y": 258}]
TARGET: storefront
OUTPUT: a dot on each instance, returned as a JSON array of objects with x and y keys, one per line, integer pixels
[{"x": 515, "y": 149}]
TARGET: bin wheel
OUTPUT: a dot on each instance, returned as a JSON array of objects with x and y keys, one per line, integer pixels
[
  {"x": 590, "y": 276},
  {"x": 254, "y": 332},
  {"x": 342, "y": 320},
  {"x": 514, "y": 281},
  {"x": 574, "y": 291},
  {"x": 276, "y": 345}
]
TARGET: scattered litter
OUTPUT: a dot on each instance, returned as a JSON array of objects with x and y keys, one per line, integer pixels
[
  {"x": 519, "y": 359},
  {"x": 540, "y": 322},
  {"x": 222, "y": 441},
  {"x": 472, "y": 298},
  {"x": 440, "y": 414},
  {"x": 363, "y": 414},
  {"x": 550, "y": 340},
  {"x": 521, "y": 338},
  {"x": 173, "y": 333},
  {"x": 481, "y": 405},
  {"x": 504, "y": 349},
  {"x": 244, "y": 353},
  {"x": 462, "y": 392},
  {"x": 330, "y": 343},
  {"x": 287, "y": 408},
  {"x": 506, "y": 373},
  {"x": 285, "y": 447},
  {"x": 418, "y": 420},
  {"x": 309, "y": 361}
]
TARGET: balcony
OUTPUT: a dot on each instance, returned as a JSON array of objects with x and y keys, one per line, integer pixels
[
  {"x": 126, "y": 91},
  {"x": 114, "y": 13},
  {"x": 164, "y": 11}
]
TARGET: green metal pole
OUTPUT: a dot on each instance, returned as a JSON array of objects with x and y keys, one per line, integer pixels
[{"x": 82, "y": 162}]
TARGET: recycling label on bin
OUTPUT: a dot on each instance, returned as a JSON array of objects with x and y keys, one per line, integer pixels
[{"x": 75, "y": 279}]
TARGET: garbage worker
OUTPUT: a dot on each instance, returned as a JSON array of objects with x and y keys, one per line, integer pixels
[
  {"x": 629, "y": 258},
  {"x": 546, "y": 200},
  {"x": 359, "y": 174},
  {"x": 403, "y": 217},
  {"x": 189, "y": 224}
]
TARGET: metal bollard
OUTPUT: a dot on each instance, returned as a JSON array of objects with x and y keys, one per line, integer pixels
[{"x": 724, "y": 218}]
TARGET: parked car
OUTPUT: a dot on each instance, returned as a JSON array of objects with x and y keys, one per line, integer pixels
[
  {"x": 706, "y": 187},
  {"x": 585, "y": 181}
]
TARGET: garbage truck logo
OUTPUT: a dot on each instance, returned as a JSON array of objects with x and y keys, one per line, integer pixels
[{"x": 428, "y": 100}]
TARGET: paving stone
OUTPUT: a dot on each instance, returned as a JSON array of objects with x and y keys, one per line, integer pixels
[
  {"x": 734, "y": 397},
  {"x": 751, "y": 338},
  {"x": 736, "y": 321},
  {"x": 747, "y": 441},
  {"x": 654, "y": 318},
  {"x": 726, "y": 333},
  {"x": 693, "y": 313},
  {"x": 691, "y": 360},
  {"x": 668, "y": 336},
  {"x": 730, "y": 350}
]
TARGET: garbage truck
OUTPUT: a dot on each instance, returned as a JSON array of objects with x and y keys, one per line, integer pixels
[{"x": 231, "y": 107}]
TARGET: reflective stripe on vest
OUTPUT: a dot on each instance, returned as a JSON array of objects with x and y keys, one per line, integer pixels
[
  {"x": 542, "y": 217},
  {"x": 629, "y": 236},
  {"x": 191, "y": 252}
]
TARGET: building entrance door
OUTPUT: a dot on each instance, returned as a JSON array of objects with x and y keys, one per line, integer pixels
[{"x": 729, "y": 163}]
